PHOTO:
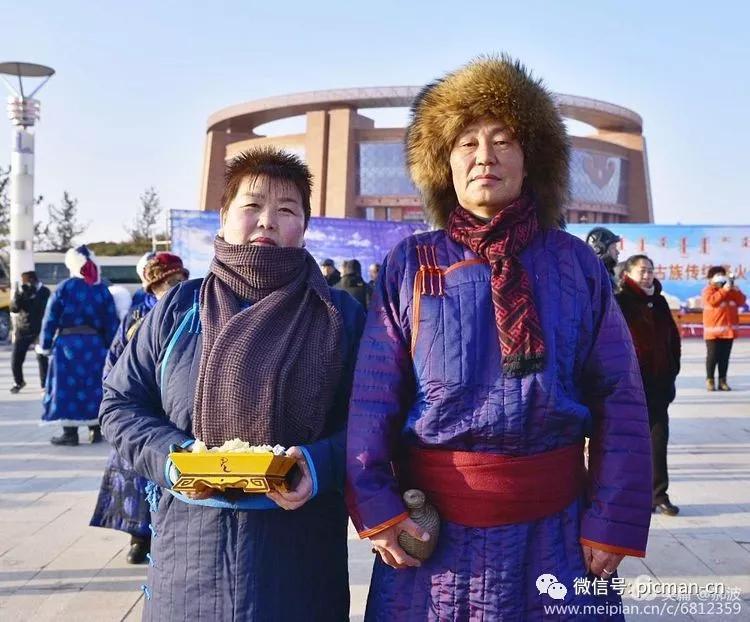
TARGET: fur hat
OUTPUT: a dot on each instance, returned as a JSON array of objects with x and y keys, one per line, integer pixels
[
  {"x": 82, "y": 264},
  {"x": 160, "y": 267},
  {"x": 496, "y": 87}
]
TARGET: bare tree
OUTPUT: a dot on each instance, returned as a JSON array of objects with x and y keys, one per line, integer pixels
[
  {"x": 148, "y": 215},
  {"x": 62, "y": 226}
]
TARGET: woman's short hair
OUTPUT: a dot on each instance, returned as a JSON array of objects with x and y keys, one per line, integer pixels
[
  {"x": 631, "y": 261},
  {"x": 714, "y": 270},
  {"x": 270, "y": 162}
]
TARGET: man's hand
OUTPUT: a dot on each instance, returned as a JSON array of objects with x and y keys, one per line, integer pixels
[
  {"x": 296, "y": 498},
  {"x": 600, "y": 563},
  {"x": 386, "y": 544}
]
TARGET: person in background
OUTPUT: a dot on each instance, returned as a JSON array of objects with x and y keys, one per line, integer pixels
[
  {"x": 122, "y": 504},
  {"x": 123, "y": 300},
  {"x": 604, "y": 244},
  {"x": 332, "y": 275},
  {"x": 658, "y": 347},
  {"x": 618, "y": 273},
  {"x": 352, "y": 283},
  {"x": 721, "y": 302},
  {"x": 141, "y": 293},
  {"x": 29, "y": 302},
  {"x": 78, "y": 327},
  {"x": 373, "y": 271}
]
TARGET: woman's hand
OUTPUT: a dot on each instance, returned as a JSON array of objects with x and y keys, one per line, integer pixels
[
  {"x": 386, "y": 544},
  {"x": 600, "y": 563},
  {"x": 303, "y": 491},
  {"x": 203, "y": 492}
]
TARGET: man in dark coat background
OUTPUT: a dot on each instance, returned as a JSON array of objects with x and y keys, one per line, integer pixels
[
  {"x": 353, "y": 283},
  {"x": 604, "y": 243},
  {"x": 29, "y": 303},
  {"x": 332, "y": 275}
]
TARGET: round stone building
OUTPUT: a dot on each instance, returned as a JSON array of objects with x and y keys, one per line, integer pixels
[{"x": 360, "y": 172}]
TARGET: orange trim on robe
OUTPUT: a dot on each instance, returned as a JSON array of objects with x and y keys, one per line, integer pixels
[
  {"x": 369, "y": 533},
  {"x": 418, "y": 283},
  {"x": 464, "y": 264},
  {"x": 608, "y": 548}
]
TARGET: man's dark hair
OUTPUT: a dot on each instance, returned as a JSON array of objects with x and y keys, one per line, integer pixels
[
  {"x": 31, "y": 275},
  {"x": 268, "y": 162},
  {"x": 714, "y": 270},
  {"x": 352, "y": 266}
]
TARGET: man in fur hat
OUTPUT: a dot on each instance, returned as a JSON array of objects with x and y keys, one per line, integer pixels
[{"x": 493, "y": 350}]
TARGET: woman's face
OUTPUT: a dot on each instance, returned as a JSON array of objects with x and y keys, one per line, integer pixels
[
  {"x": 643, "y": 273},
  {"x": 488, "y": 167},
  {"x": 265, "y": 212}
]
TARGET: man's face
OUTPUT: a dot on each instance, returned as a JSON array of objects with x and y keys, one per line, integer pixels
[
  {"x": 613, "y": 251},
  {"x": 327, "y": 270},
  {"x": 487, "y": 164}
]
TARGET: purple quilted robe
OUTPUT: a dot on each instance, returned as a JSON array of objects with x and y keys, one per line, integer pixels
[{"x": 429, "y": 374}]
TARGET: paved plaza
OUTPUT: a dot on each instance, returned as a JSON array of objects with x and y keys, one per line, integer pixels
[{"x": 53, "y": 566}]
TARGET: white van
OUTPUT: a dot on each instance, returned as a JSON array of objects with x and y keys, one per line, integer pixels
[{"x": 50, "y": 269}]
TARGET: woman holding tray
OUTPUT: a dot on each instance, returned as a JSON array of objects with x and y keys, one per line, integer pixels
[
  {"x": 492, "y": 349},
  {"x": 261, "y": 350}
]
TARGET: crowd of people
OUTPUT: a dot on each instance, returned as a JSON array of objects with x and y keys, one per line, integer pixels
[
  {"x": 497, "y": 349},
  {"x": 657, "y": 341}
]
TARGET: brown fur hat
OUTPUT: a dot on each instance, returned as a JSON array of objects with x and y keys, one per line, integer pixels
[{"x": 499, "y": 87}]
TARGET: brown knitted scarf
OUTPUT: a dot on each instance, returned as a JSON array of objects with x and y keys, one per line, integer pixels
[{"x": 267, "y": 372}]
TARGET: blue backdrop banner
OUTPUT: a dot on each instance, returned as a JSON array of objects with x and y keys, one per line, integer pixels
[{"x": 682, "y": 254}]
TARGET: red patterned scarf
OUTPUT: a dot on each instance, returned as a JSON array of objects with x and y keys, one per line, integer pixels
[{"x": 500, "y": 242}]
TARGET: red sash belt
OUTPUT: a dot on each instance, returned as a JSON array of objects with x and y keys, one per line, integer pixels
[{"x": 487, "y": 490}]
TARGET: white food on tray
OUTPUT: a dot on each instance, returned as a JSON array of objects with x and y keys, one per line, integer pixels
[{"x": 237, "y": 446}]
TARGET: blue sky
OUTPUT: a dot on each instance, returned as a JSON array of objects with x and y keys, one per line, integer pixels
[{"x": 136, "y": 82}]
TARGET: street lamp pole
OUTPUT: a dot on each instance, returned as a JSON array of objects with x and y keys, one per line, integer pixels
[{"x": 23, "y": 111}]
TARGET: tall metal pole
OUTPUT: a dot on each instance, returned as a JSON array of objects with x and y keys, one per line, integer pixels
[{"x": 23, "y": 112}]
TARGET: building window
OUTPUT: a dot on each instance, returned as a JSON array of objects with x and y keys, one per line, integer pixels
[
  {"x": 382, "y": 170},
  {"x": 120, "y": 274},
  {"x": 51, "y": 273},
  {"x": 597, "y": 177}
]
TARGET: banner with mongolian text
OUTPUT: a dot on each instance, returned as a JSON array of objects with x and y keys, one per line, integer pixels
[{"x": 682, "y": 254}]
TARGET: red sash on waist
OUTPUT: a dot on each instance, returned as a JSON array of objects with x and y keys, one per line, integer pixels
[{"x": 488, "y": 490}]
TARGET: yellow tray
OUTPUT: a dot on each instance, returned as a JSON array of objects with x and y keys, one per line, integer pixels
[{"x": 250, "y": 472}]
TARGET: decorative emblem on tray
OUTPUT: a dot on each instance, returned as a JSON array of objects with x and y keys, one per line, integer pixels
[{"x": 234, "y": 465}]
